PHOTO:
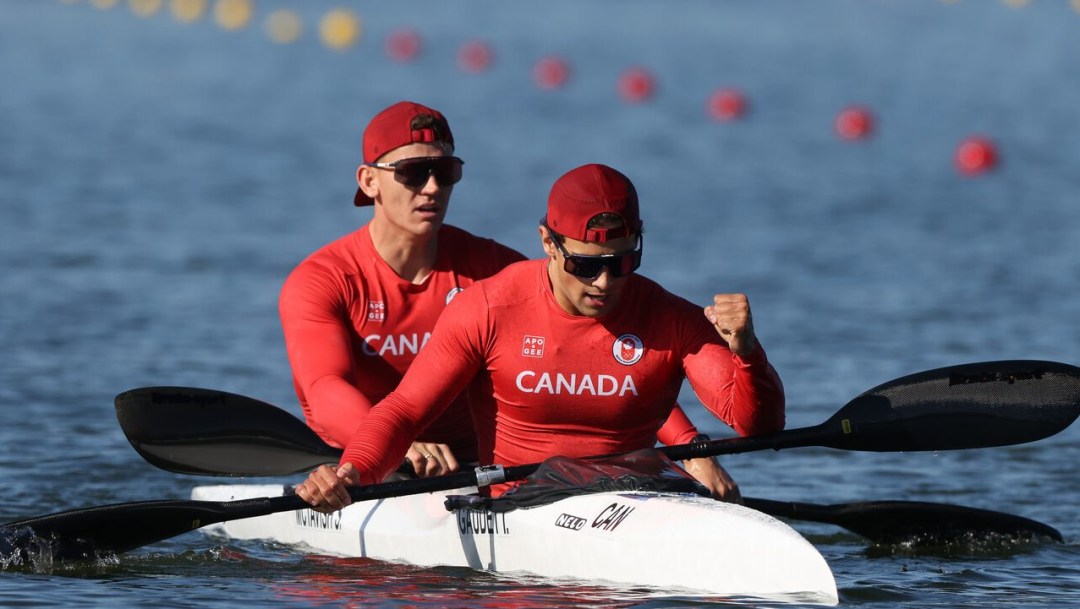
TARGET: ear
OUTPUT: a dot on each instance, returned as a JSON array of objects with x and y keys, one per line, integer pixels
[
  {"x": 546, "y": 240},
  {"x": 365, "y": 179}
]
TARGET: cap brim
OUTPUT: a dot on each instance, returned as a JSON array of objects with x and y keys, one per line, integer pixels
[{"x": 361, "y": 200}]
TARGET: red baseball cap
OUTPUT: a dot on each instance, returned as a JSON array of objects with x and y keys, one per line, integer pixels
[
  {"x": 395, "y": 127},
  {"x": 585, "y": 192}
]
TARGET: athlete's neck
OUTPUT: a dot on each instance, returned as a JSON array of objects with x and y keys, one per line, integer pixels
[
  {"x": 411, "y": 256},
  {"x": 560, "y": 298}
]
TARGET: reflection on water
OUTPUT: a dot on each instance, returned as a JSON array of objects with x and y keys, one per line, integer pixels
[{"x": 349, "y": 581}]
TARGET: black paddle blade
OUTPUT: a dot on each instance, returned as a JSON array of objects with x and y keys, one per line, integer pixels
[
  {"x": 913, "y": 523},
  {"x": 213, "y": 433},
  {"x": 966, "y": 406},
  {"x": 94, "y": 532}
]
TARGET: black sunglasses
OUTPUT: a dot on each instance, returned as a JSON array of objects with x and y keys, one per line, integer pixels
[
  {"x": 416, "y": 171},
  {"x": 589, "y": 267}
]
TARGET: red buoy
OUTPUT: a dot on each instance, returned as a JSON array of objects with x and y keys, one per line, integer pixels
[
  {"x": 976, "y": 155},
  {"x": 551, "y": 73},
  {"x": 727, "y": 104},
  {"x": 636, "y": 85},
  {"x": 403, "y": 45},
  {"x": 475, "y": 56},
  {"x": 854, "y": 123}
]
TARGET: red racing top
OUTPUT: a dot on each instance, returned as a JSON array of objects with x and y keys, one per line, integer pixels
[
  {"x": 546, "y": 383},
  {"x": 353, "y": 327}
]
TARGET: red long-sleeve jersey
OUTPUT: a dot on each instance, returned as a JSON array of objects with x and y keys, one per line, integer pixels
[{"x": 543, "y": 382}]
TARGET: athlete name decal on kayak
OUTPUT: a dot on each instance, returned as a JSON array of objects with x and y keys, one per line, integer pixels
[
  {"x": 611, "y": 517},
  {"x": 317, "y": 520},
  {"x": 569, "y": 521},
  {"x": 529, "y": 381},
  {"x": 472, "y": 522},
  {"x": 396, "y": 344}
]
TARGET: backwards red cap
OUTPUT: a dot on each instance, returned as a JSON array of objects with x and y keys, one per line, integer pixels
[
  {"x": 583, "y": 193},
  {"x": 393, "y": 128}
]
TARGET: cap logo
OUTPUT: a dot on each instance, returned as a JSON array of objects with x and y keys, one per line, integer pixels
[
  {"x": 426, "y": 128},
  {"x": 423, "y": 135},
  {"x": 603, "y": 235}
]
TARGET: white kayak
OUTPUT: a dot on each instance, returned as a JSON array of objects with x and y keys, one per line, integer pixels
[{"x": 677, "y": 543}]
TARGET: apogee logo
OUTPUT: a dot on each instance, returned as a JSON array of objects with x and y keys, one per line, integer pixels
[
  {"x": 533, "y": 346},
  {"x": 376, "y": 310}
]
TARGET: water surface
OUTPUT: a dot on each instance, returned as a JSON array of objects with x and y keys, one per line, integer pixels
[{"x": 160, "y": 180}]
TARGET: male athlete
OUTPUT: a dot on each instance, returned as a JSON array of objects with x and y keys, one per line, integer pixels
[
  {"x": 573, "y": 354},
  {"x": 357, "y": 311}
]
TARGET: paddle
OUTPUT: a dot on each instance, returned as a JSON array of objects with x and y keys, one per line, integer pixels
[
  {"x": 913, "y": 522},
  {"x": 200, "y": 431},
  {"x": 987, "y": 404},
  {"x": 206, "y": 432}
]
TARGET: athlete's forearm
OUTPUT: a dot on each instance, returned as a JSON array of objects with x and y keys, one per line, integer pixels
[
  {"x": 379, "y": 445},
  {"x": 757, "y": 400},
  {"x": 746, "y": 393},
  {"x": 677, "y": 429},
  {"x": 335, "y": 408}
]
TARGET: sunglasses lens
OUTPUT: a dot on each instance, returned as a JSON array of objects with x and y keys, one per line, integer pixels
[
  {"x": 589, "y": 267},
  {"x": 415, "y": 173},
  {"x": 583, "y": 267}
]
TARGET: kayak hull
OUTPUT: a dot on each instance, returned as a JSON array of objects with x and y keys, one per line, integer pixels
[{"x": 674, "y": 542}]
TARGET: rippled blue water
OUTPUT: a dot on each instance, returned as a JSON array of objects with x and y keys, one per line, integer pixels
[{"x": 159, "y": 180}]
